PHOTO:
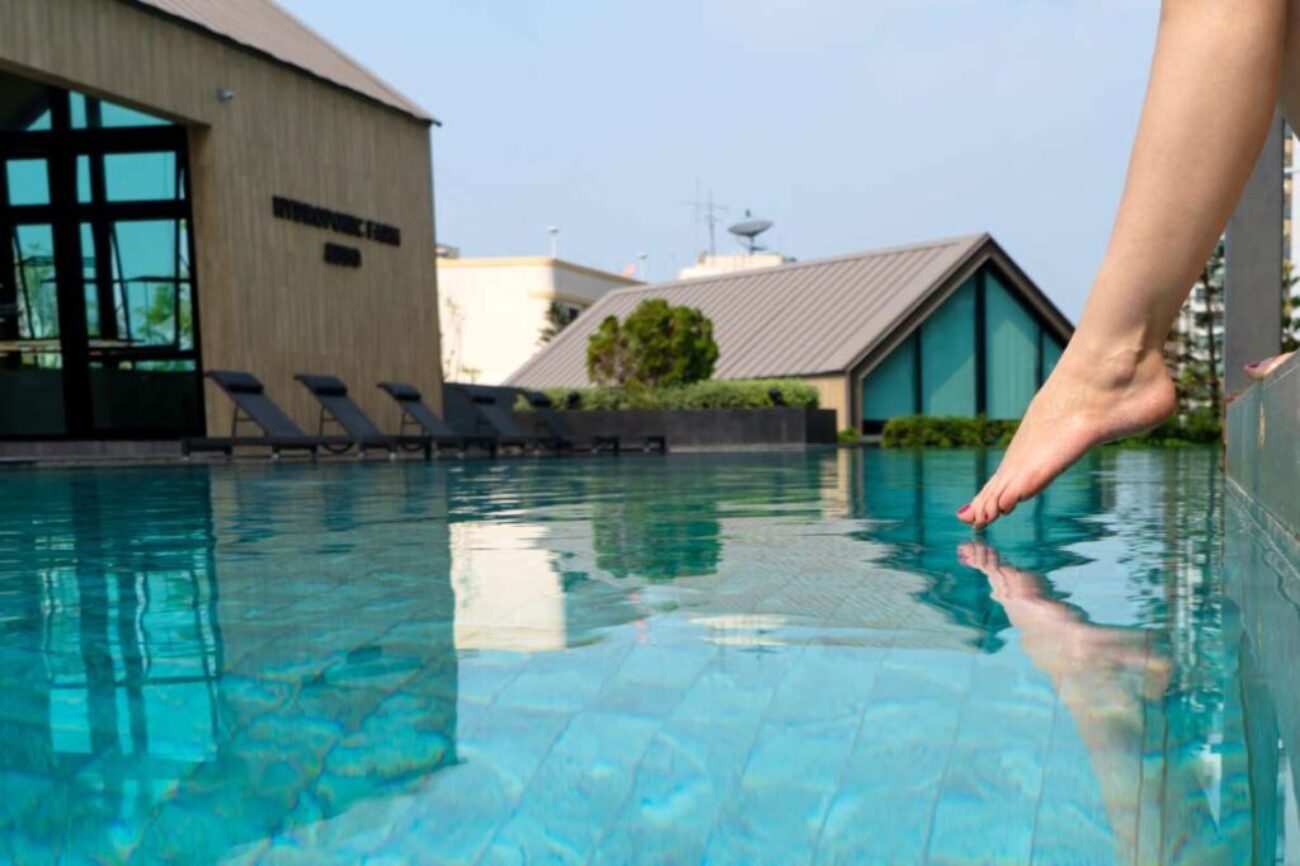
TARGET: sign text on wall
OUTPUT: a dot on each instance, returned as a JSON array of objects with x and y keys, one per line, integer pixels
[{"x": 336, "y": 221}]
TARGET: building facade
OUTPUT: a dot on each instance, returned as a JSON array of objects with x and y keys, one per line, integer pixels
[
  {"x": 495, "y": 311},
  {"x": 945, "y": 328},
  {"x": 189, "y": 186}
]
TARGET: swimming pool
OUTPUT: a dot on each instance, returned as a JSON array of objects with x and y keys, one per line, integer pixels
[{"x": 753, "y": 658}]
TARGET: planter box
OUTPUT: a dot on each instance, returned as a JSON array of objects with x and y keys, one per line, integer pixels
[{"x": 703, "y": 428}]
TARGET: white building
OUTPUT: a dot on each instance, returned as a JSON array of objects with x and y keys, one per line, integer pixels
[
  {"x": 712, "y": 264},
  {"x": 494, "y": 310}
]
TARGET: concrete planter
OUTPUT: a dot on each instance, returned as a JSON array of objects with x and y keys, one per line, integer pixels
[{"x": 689, "y": 429}]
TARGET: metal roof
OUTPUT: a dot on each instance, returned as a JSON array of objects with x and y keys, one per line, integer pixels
[
  {"x": 264, "y": 27},
  {"x": 816, "y": 317}
]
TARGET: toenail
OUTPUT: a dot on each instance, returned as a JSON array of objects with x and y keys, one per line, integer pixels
[
  {"x": 1253, "y": 365},
  {"x": 964, "y": 508}
]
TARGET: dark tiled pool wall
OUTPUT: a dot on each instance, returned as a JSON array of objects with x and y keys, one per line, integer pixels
[{"x": 1264, "y": 445}]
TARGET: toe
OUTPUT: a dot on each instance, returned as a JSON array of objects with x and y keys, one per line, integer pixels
[
  {"x": 1008, "y": 499},
  {"x": 988, "y": 503},
  {"x": 1263, "y": 369}
]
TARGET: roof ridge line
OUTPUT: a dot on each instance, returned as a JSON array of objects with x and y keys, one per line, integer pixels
[
  {"x": 357, "y": 64},
  {"x": 972, "y": 240}
]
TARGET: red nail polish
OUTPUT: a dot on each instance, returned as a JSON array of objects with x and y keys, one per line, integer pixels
[
  {"x": 964, "y": 508},
  {"x": 1253, "y": 365}
]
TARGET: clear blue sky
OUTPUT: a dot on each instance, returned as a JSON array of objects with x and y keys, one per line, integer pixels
[{"x": 851, "y": 123}]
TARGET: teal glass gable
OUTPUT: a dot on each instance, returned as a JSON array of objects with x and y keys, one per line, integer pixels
[
  {"x": 982, "y": 352},
  {"x": 1012, "y": 341},
  {"x": 1051, "y": 354},
  {"x": 889, "y": 391},
  {"x": 948, "y": 357}
]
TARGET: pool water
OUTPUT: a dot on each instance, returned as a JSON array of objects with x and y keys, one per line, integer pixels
[{"x": 783, "y": 658}]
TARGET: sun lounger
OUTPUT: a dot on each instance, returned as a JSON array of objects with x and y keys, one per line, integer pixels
[
  {"x": 253, "y": 406},
  {"x": 418, "y": 416},
  {"x": 338, "y": 408},
  {"x": 555, "y": 421}
]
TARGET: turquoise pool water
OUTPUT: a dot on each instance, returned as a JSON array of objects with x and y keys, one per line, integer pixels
[{"x": 757, "y": 658}]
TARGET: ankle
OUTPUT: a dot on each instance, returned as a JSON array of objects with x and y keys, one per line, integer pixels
[{"x": 1115, "y": 364}]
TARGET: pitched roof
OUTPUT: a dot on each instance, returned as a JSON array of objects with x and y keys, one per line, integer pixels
[
  {"x": 803, "y": 319},
  {"x": 264, "y": 27}
]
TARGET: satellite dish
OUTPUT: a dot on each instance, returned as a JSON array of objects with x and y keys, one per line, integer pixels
[{"x": 749, "y": 230}]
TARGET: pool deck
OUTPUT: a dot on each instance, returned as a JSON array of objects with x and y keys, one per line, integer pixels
[{"x": 1263, "y": 454}]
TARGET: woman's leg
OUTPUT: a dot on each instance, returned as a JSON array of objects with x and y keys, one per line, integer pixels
[
  {"x": 1291, "y": 108},
  {"x": 1214, "y": 87}
]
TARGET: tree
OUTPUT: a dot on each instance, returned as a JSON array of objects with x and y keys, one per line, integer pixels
[
  {"x": 558, "y": 317},
  {"x": 1194, "y": 352},
  {"x": 657, "y": 346},
  {"x": 1290, "y": 311}
]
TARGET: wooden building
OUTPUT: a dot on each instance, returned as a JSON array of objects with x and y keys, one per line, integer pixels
[{"x": 190, "y": 185}]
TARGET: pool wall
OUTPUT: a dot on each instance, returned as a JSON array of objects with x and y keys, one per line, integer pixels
[{"x": 1263, "y": 455}]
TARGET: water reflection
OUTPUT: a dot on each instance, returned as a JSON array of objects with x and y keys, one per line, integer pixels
[
  {"x": 676, "y": 659},
  {"x": 149, "y": 708}
]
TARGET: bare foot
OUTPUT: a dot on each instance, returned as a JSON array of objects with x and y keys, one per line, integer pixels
[
  {"x": 1264, "y": 369},
  {"x": 1090, "y": 398}
]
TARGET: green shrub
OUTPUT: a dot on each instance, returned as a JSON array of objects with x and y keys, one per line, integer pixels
[
  {"x": 1198, "y": 427},
  {"x": 737, "y": 394},
  {"x": 657, "y": 346},
  {"x": 848, "y": 436},
  {"x": 919, "y": 431}
]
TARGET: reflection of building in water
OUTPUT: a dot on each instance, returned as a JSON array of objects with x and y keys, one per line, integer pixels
[
  {"x": 509, "y": 596},
  {"x": 111, "y": 651},
  {"x": 177, "y": 673}
]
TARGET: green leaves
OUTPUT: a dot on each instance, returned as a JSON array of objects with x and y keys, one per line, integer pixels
[
  {"x": 657, "y": 346},
  {"x": 733, "y": 394}
]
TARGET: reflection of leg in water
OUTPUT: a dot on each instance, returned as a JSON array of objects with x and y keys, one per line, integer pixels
[{"x": 1103, "y": 675}]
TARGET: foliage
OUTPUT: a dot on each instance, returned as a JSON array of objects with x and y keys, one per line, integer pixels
[
  {"x": 919, "y": 431},
  {"x": 1290, "y": 311},
  {"x": 1194, "y": 350},
  {"x": 1198, "y": 427},
  {"x": 558, "y": 317},
  {"x": 737, "y": 394},
  {"x": 657, "y": 346},
  {"x": 848, "y": 436}
]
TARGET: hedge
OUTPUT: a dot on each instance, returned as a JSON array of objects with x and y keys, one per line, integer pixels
[
  {"x": 927, "y": 432},
  {"x": 919, "y": 431},
  {"x": 733, "y": 394}
]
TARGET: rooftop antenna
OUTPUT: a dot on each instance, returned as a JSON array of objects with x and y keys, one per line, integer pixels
[
  {"x": 747, "y": 232},
  {"x": 643, "y": 258},
  {"x": 554, "y": 232},
  {"x": 708, "y": 211}
]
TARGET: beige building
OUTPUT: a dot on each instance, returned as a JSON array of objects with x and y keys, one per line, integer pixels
[
  {"x": 494, "y": 310},
  {"x": 188, "y": 186}
]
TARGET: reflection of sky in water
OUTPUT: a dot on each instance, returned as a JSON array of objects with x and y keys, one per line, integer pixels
[{"x": 745, "y": 658}]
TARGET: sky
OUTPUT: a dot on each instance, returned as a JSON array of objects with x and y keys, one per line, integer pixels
[{"x": 852, "y": 124}]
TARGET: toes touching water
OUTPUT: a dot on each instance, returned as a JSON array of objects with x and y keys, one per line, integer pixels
[{"x": 1089, "y": 399}]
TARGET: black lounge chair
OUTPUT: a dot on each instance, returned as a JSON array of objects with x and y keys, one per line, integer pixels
[
  {"x": 548, "y": 415},
  {"x": 490, "y": 411},
  {"x": 253, "y": 406},
  {"x": 416, "y": 415},
  {"x": 338, "y": 408}
]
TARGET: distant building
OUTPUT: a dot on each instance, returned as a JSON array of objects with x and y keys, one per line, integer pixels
[
  {"x": 712, "y": 265},
  {"x": 494, "y": 310},
  {"x": 950, "y": 327}
]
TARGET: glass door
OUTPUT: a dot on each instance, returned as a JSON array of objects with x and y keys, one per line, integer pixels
[{"x": 98, "y": 318}]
